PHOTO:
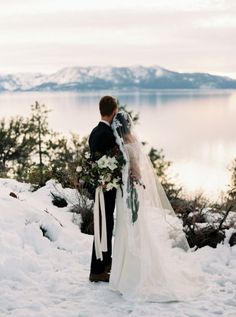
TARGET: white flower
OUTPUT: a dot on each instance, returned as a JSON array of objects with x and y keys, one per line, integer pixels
[
  {"x": 101, "y": 179},
  {"x": 102, "y": 161},
  {"x": 109, "y": 186},
  {"x": 87, "y": 155},
  {"x": 113, "y": 184},
  {"x": 78, "y": 169},
  {"x": 112, "y": 164},
  {"x": 107, "y": 161},
  {"x": 107, "y": 177}
]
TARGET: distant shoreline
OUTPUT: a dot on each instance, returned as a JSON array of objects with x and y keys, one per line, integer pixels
[{"x": 126, "y": 90}]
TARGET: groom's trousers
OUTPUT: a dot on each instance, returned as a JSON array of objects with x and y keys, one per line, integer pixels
[{"x": 98, "y": 266}]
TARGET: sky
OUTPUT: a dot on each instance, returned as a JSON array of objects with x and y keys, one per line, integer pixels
[{"x": 181, "y": 35}]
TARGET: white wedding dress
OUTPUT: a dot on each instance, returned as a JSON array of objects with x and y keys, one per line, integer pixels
[{"x": 151, "y": 259}]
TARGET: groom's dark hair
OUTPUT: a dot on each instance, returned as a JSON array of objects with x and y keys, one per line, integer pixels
[{"x": 107, "y": 105}]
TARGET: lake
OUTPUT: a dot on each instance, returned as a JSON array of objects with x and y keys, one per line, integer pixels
[{"x": 195, "y": 128}]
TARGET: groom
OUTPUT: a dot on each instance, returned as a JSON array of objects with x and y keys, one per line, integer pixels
[{"x": 102, "y": 140}]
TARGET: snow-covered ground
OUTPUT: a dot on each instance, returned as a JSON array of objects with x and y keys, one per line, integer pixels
[{"x": 43, "y": 278}]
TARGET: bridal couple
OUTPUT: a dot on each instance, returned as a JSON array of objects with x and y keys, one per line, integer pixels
[{"x": 150, "y": 257}]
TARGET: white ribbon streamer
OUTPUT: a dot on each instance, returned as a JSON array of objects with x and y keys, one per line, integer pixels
[{"x": 100, "y": 244}]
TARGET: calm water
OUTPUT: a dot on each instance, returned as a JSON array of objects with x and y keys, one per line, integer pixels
[{"x": 196, "y": 129}]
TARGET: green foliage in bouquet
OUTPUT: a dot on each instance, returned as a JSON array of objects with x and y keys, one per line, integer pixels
[{"x": 104, "y": 171}]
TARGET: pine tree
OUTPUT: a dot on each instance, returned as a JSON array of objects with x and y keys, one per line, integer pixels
[
  {"x": 39, "y": 126},
  {"x": 16, "y": 145}
]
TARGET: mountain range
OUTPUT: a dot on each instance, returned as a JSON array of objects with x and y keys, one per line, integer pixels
[{"x": 104, "y": 77}]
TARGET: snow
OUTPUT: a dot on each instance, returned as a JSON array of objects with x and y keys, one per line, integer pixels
[
  {"x": 72, "y": 75},
  {"x": 212, "y": 217},
  {"x": 39, "y": 277},
  {"x": 159, "y": 72},
  {"x": 139, "y": 72},
  {"x": 66, "y": 75},
  {"x": 23, "y": 81},
  {"x": 91, "y": 76}
]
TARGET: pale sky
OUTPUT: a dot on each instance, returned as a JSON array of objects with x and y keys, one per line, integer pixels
[{"x": 180, "y": 35}]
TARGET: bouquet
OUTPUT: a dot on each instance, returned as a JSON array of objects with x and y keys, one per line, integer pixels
[{"x": 102, "y": 171}]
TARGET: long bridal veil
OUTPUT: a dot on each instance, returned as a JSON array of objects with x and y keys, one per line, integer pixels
[
  {"x": 154, "y": 193},
  {"x": 157, "y": 245}
]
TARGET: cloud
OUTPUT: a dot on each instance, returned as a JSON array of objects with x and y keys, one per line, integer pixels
[
  {"x": 195, "y": 36},
  {"x": 13, "y": 7}
]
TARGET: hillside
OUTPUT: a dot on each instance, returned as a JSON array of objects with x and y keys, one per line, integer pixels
[{"x": 135, "y": 77}]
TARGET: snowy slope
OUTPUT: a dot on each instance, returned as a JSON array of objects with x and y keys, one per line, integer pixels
[
  {"x": 108, "y": 77},
  {"x": 43, "y": 278}
]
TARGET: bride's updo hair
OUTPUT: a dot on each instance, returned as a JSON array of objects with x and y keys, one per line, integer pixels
[{"x": 123, "y": 126}]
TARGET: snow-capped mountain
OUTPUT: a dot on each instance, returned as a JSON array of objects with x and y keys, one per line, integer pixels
[{"x": 99, "y": 77}]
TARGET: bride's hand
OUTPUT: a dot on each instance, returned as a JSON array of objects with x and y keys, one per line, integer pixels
[{"x": 135, "y": 174}]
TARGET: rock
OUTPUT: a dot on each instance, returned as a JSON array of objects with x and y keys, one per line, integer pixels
[
  {"x": 232, "y": 240},
  {"x": 205, "y": 236},
  {"x": 58, "y": 201},
  {"x": 13, "y": 195}
]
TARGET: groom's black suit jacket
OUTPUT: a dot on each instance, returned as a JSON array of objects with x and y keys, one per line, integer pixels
[{"x": 102, "y": 140}]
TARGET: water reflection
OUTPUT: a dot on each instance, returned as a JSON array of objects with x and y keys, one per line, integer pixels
[{"x": 195, "y": 128}]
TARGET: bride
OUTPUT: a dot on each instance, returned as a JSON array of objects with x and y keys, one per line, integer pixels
[{"x": 151, "y": 257}]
